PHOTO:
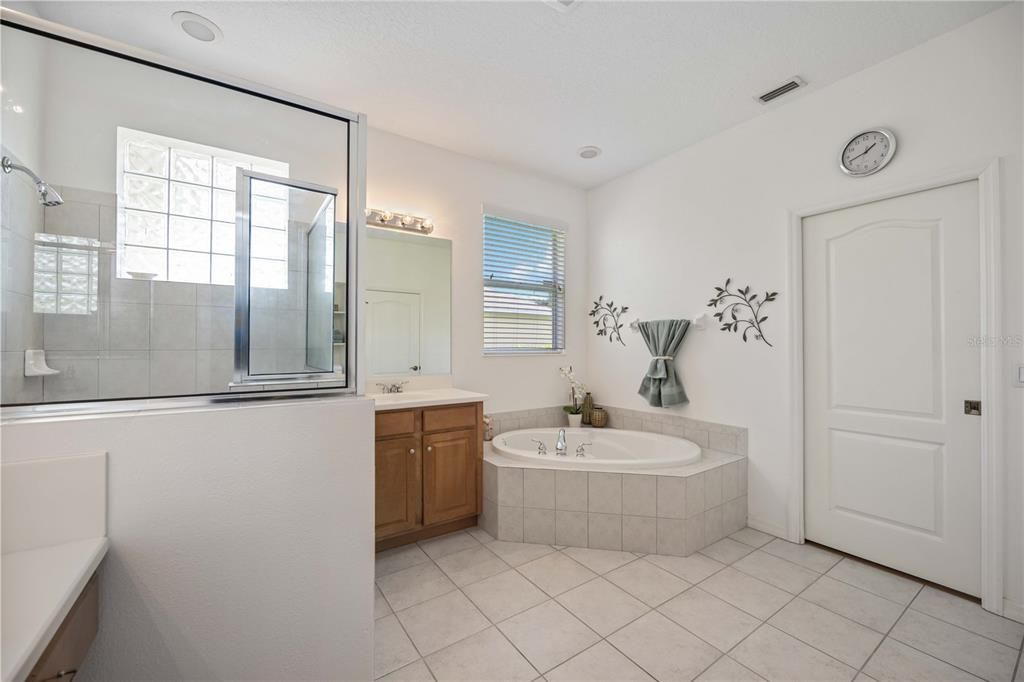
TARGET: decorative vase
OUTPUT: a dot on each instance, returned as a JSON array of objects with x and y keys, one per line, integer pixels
[
  {"x": 599, "y": 418},
  {"x": 574, "y": 420},
  {"x": 588, "y": 406}
]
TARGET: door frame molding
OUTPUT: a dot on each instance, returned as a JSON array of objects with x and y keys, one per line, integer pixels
[{"x": 992, "y": 464}]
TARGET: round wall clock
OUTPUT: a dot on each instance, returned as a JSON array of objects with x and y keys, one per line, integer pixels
[{"x": 868, "y": 152}]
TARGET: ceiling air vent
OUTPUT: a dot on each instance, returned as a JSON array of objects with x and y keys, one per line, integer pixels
[
  {"x": 562, "y": 5},
  {"x": 789, "y": 86}
]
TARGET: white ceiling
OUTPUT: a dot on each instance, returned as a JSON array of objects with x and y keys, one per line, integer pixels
[{"x": 525, "y": 85}]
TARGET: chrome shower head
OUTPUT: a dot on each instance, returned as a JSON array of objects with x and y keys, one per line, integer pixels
[{"x": 48, "y": 196}]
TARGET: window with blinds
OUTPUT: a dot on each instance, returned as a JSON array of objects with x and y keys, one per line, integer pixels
[{"x": 524, "y": 287}]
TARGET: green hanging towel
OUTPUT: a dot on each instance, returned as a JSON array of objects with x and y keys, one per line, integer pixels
[{"x": 661, "y": 387}]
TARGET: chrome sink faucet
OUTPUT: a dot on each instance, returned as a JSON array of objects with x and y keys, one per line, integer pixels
[
  {"x": 392, "y": 388},
  {"x": 560, "y": 446}
]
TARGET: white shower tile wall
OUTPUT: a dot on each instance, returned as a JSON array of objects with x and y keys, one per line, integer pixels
[
  {"x": 144, "y": 339},
  {"x": 21, "y": 216},
  {"x": 721, "y": 437},
  {"x": 646, "y": 513}
]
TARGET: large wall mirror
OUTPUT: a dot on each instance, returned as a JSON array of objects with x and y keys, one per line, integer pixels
[{"x": 408, "y": 304}]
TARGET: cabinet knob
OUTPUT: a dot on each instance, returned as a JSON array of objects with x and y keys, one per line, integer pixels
[
  {"x": 430, "y": 448},
  {"x": 412, "y": 451}
]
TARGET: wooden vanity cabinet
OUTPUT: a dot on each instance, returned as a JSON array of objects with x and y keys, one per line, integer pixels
[{"x": 428, "y": 471}]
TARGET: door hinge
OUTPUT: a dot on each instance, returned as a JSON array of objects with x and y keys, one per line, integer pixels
[{"x": 972, "y": 407}]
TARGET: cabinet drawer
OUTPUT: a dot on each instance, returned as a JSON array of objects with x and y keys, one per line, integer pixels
[
  {"x": 67, "y": 649},
  {"x": 400, "y": 423},
  {"x": 454, "y": 417}
]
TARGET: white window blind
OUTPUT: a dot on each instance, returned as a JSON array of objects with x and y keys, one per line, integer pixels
[{"x": 524, "y": 287}]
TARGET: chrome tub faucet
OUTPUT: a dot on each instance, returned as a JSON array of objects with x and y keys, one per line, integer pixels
[{"x": 560, "y": 446}]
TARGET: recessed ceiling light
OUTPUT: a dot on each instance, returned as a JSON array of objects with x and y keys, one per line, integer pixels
[
  {"x": 589, "y": 152},
  {"x": 198, "y": 27}
]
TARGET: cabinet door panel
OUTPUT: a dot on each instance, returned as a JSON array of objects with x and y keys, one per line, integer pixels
[
  {"x": 398, "y": 486},
  {"x": 450, "y": 465}
]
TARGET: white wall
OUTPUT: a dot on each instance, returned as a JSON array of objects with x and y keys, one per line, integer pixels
[
  {"x": 412, "y": 177},
  {"x": 241, "y": 539},
  {"x": 660, "y": 238},
  {"x": 80, "y": 141}
]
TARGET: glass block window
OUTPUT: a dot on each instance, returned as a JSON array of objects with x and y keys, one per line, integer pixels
[
  {"x": 65, "y": 274},
  {"x": 176, "y": 213}
]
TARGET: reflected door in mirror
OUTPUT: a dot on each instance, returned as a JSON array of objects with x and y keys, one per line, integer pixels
[{"x": 393, "y": 332}]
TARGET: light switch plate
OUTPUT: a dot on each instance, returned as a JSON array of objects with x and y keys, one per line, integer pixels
[{"x": 1020, "y": 376}]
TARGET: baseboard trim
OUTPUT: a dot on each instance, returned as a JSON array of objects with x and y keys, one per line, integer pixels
[
  {"x": 1013, "y": 610},
  {"x": 425, "y": 533},
  {"x": 766, "y": 527}
]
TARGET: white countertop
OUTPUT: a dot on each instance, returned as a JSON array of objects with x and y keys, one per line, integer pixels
[
  {"x": 39, "y": 588},
  {"x": 424, "y": 398}
]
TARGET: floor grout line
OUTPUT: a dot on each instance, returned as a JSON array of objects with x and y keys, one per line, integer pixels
[
  {"x": 910, "y": 607},
  {"x": 888, "y": 632},
  {"x": 649, "y": 609}
]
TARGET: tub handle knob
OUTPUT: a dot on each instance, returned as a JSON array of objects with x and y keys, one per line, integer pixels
[
  {"x": 541, "y": 448},
  {"x": 580, "y": 452}
]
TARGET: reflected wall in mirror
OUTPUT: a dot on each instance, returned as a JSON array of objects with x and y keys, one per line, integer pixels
[{"x": 408, "y": 303}]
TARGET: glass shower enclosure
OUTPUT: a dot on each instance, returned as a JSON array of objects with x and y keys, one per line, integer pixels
[
  {"x": 166, "y": 234},
  {"x": 285, "y": 333}
]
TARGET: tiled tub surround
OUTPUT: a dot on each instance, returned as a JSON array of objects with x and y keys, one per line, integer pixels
[
  {"x": 721, "y": 437},
  {"x": 675, "y": 511}
]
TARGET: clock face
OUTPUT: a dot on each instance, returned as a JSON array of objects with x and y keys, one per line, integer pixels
[{"x": 868, "y": 152}]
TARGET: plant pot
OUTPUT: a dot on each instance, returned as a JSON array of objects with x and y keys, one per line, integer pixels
[
  {"x": 575, "y": 420},
  {"x": 588, "y": 407}
]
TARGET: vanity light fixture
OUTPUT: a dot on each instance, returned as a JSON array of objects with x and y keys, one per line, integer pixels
[{"x": 399, "y": 221}]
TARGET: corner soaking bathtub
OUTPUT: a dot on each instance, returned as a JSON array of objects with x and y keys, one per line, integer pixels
[{"x": 605, "y": 449}]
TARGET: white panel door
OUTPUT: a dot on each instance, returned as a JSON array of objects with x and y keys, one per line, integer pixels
[
  {"x": 392, "y": 332},
  {"x": 892, "y": 463}
]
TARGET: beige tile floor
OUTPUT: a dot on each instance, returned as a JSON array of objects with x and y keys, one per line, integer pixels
[{"x": 750, "y": 607}]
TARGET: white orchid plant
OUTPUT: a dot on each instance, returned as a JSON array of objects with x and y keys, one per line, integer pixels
[{"x": 576, "y": 391}]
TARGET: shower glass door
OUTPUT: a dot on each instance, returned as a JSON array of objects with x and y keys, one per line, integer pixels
[{"x": 285, "y": 279}]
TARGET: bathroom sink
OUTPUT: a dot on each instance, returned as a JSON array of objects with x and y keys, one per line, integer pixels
[{"x": 425, "y": 397}]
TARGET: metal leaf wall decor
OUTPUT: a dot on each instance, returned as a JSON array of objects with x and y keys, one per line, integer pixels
[
  {"x": 606, "y": 319},
  {"x": 740, "y": 310}
]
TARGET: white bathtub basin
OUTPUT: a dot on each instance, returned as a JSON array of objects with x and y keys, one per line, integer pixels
[{"x": 608, "y": 449}]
